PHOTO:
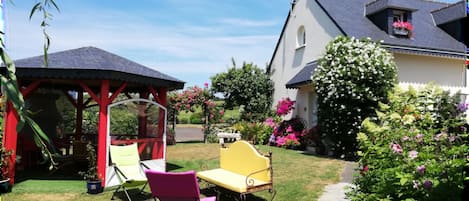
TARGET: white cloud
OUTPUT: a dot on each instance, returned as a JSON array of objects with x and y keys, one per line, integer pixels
[
  {"x": 173, "y": 48},
  {"x": 249, "y": 23}
]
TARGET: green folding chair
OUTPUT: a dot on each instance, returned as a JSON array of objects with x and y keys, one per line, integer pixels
[{"x": 128, "y": 167}]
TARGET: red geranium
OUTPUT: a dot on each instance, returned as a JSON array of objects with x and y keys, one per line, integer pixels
[{"x": 403, "y": 25}]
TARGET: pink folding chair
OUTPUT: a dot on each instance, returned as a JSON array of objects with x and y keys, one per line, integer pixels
[{"x": 175, "y": 186}]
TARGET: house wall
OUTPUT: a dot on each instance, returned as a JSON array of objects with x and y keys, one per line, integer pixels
[
  {"x": 306, "y": 105},
  {"x": 290, "y": 59},
  {"x": 418, "y": 69}
]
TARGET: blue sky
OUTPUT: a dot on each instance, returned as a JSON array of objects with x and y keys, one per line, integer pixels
[{"x": 188, "y": 39}]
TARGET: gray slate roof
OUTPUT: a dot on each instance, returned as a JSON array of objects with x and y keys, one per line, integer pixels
[
  {"x": 93, "y": 63},
  {"x": 450, "y": 13},
  {"x": 303, "y": 77},
  {"x": 349, "y": 17}
]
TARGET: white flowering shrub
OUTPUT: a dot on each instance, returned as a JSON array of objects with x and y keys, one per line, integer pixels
[{"x": 351, "y": 78}]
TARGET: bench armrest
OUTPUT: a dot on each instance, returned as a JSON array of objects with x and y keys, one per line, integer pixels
[{"x": 250, "y": 181}]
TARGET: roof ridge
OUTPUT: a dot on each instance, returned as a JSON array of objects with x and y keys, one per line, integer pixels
[
  {"x": 439, "y": 1},
  {"x": 448, "y": 5},
  {"x": 432, "y": 1}
]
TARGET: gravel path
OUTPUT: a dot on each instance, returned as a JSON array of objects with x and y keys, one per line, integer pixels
[
  {"x": 336, "y": 192},
  {"x": 185, "y": 134}
]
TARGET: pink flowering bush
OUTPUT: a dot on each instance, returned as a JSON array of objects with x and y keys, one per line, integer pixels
[
  {"x": 414, "y": 150},
  {"x": 285, "y": 106},
  {"x": 293, "y": 131},
  {"x": 287, "y": 133}
]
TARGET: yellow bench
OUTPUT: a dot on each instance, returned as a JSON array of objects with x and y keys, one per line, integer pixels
[{"x": 242, "y": 170}]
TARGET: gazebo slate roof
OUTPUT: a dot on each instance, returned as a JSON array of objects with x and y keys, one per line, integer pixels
[{"x": 91, "y": 63}]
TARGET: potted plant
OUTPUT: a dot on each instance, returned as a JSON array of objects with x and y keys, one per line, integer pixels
[
  {"x": 91, "y": 174},
  {"x": 4, "y": 173}
]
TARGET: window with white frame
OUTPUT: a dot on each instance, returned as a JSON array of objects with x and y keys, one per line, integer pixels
[{"x": 301, "y": 37}]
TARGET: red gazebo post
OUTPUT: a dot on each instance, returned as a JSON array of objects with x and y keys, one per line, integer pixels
[
  {"x": 102, "y": 129},
  {"x": 103, "y": 101},
  {"x": 10, "y": 137},
  {"x": 160, "y": 96}
]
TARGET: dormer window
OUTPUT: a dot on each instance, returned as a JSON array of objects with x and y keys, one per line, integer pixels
[
  {"x": 401, "y": 25},
  {"x": 393, "y": 17},
  {"x": 454, "y": 20}
]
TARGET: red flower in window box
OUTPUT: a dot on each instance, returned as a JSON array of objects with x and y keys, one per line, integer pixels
[
  {"x": 402, "y": 28},
  {"x": 403, "y": 25}
]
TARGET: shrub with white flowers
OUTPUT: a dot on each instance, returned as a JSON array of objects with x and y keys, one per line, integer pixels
[{"x": 351, "y": 78}]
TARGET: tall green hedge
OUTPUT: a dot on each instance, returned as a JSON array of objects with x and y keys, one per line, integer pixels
[{"x": 351, "y": 78}]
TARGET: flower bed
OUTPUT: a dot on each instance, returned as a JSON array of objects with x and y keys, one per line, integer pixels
[
  {"x": 414, "y": 150},
  {"x": 290, "y": 133}
]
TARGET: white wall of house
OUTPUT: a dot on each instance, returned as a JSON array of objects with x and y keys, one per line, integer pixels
[
  {"x": 419, "y": 70},
  {"x": 416, "y": 70},
  {"x": 424, "y": 69},
  {"x": 291, "y": 58}
]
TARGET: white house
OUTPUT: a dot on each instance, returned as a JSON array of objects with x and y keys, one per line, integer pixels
[{"x": 435, "y": 51}]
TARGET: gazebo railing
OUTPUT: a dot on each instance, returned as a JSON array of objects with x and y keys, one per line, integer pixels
[{"x": 148, "y": 148}]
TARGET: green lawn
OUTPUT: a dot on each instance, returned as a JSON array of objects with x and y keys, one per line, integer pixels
[{"x": 296, "y": 176}]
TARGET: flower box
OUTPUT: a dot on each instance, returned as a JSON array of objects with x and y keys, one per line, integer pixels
[
  {"x": 400, "y": 32},
  {"x": 401, "y": 28}
]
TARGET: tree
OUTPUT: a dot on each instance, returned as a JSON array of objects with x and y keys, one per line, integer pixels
[
  {"x": 249, "y": 87},
  {"x": 351, "y": 79}
]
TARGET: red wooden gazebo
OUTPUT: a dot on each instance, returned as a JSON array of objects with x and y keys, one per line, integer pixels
[{"x": 103, "y": 76}]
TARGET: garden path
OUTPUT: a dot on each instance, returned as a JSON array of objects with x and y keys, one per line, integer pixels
[
  {"x": 185, "y": 134},
  {"x": 337, "y": 191}
]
